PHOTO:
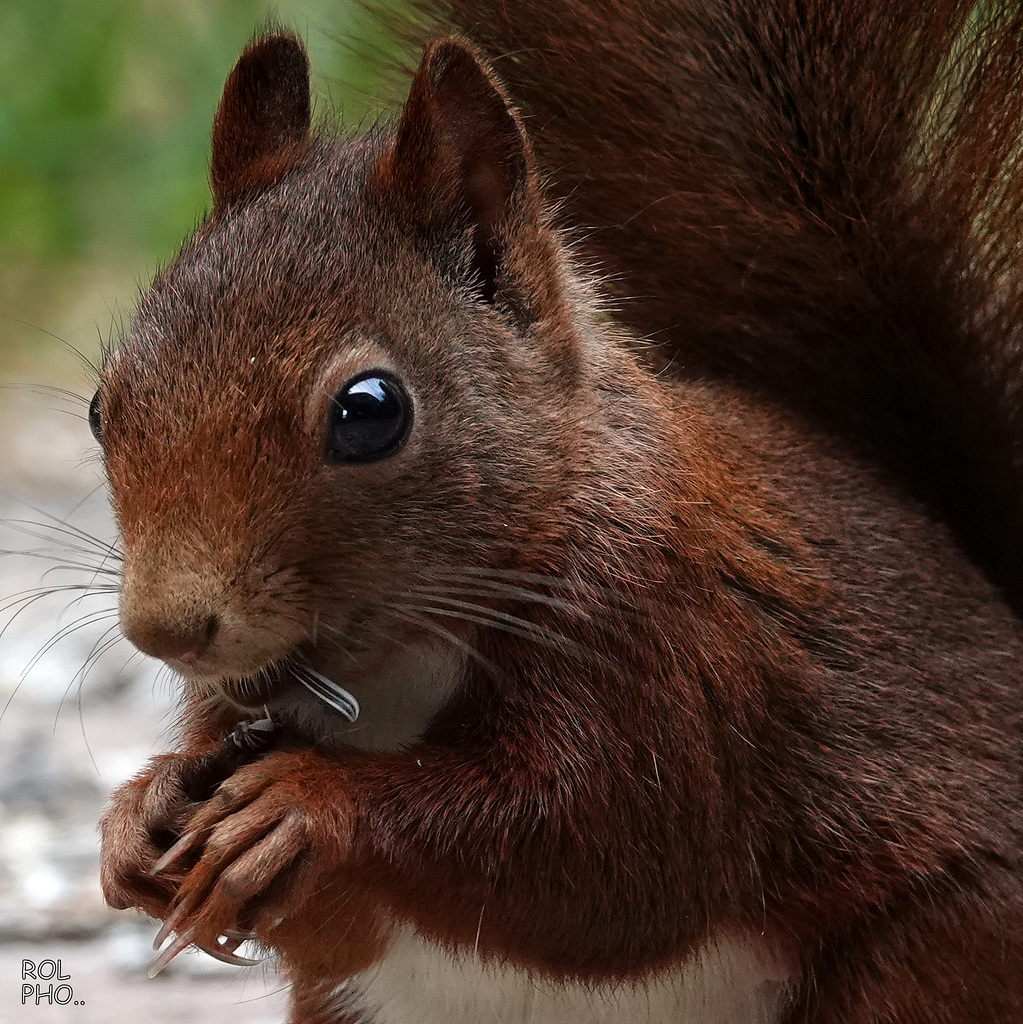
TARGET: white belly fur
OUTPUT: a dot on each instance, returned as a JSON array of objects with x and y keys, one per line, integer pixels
[{"x": 732, "y": 981}]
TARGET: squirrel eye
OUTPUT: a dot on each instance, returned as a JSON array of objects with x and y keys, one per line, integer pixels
[
  {"x": 369, "y": 418},
  {"x": 94, "y": 421}
]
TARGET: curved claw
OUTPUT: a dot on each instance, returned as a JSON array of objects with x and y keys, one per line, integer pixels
[
  {"x": 168, "y": 926},
  {"x": 182, "y": 941},
  {"x": 180, "y": 847},
  {"x": 224, "y": 952}
]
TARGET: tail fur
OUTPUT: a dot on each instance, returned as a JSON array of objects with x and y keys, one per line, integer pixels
[{"x": 816, "y": 198}]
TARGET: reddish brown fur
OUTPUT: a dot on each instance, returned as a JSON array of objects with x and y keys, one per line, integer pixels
[
  {"x": 813, "y": 198},
  {"x": 752, "y": 683}
]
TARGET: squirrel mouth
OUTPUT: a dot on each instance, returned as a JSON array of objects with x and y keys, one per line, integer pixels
[{"x": 256, "y": 690}]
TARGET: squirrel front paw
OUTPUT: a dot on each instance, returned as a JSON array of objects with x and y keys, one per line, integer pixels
[
  {"x": 143, "y": 820},
  {"x": 257, "y": 849}
]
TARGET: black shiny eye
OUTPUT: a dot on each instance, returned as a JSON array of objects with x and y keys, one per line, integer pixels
[
  {"x": 369, "y": 418},
  {"x": 94, "y": 421}
]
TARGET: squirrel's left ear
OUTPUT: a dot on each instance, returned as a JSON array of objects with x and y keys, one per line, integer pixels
[
  {"x": 460, "y": 150},
  {"x": 261, "y": 128}
]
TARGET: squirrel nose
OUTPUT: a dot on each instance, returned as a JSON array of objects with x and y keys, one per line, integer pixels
[{"x": 178, "y": 641}]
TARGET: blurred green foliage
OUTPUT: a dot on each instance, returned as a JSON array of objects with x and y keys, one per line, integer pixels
[{"x": 105, "y": 111}]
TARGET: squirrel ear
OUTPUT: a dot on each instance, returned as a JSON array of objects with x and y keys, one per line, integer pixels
[
  {"x": 261, "y": 128},
  {"x": 461, "y": 149}
]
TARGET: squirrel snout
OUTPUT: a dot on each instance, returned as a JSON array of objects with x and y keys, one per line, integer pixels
[
  {"x": 202, "y": 625},
  {"x": 182, "y": 640}
]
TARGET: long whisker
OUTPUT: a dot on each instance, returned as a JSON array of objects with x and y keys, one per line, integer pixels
[
  {"x": 27, "y": 599},
  {"x": 492, "y": 572},
  {"x": 37, "y": 593},
  {"x": 81, "y": 725},
  {"x": 62, "y": 634},
  {"x": 493, "y": 613},
  {"x": 25, "y": 605},
  {"x": 46, "y": 389},
  {"x": 512, "y": 625},
  {"x": 91, "y": 369},
  {"x": 337, "y": 643},
  {"x": 60, "y": 560},
  {"x": 56, "y": 525},
  {"x": 103, "y": 643},
  {"x": 402, "y": 611},
  {"x": 66, "y": 631},
  {"x": 494, "y": 590},
  {"x": 583, "y": 596},
  {"x": 87, "y": 457}
]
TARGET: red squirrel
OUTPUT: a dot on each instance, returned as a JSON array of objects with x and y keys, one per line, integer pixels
[{"x": 619, "y": 540}]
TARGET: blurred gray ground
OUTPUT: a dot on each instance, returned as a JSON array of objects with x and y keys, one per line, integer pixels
[{"x": 67, "y": 737}]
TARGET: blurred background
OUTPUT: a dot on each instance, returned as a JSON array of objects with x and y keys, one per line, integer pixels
[{"x": 105, "y": 111}]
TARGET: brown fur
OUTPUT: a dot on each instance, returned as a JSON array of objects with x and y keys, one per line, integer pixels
[
  {"x": 725, "y": 670},
  {"x": 262, "y": 126},
  {"x": 817, "y": 199}
]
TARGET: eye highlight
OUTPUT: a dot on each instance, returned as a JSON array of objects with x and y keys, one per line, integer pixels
[
  {"x": 369, "y": 418},
  {"x": 95, "y": 425}
]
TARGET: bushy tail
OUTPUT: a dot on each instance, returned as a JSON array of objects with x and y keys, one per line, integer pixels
[{"x": 818, "y": 198}]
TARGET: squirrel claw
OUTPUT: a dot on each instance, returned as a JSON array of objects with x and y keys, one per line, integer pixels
[
  {"x": 224, "y": 952},
  {"x": 180, "y": 847},
  {"x": 182, "y": 941},
  {"x": 173, "y": 920}
]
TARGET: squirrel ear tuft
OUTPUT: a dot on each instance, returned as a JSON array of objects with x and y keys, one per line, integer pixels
[
  {"x": 460, "y": 149},
  {"x": 261, "y": 128}
]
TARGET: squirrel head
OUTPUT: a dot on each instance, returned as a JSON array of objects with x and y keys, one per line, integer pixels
[{"x": 363, "y": 373}]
